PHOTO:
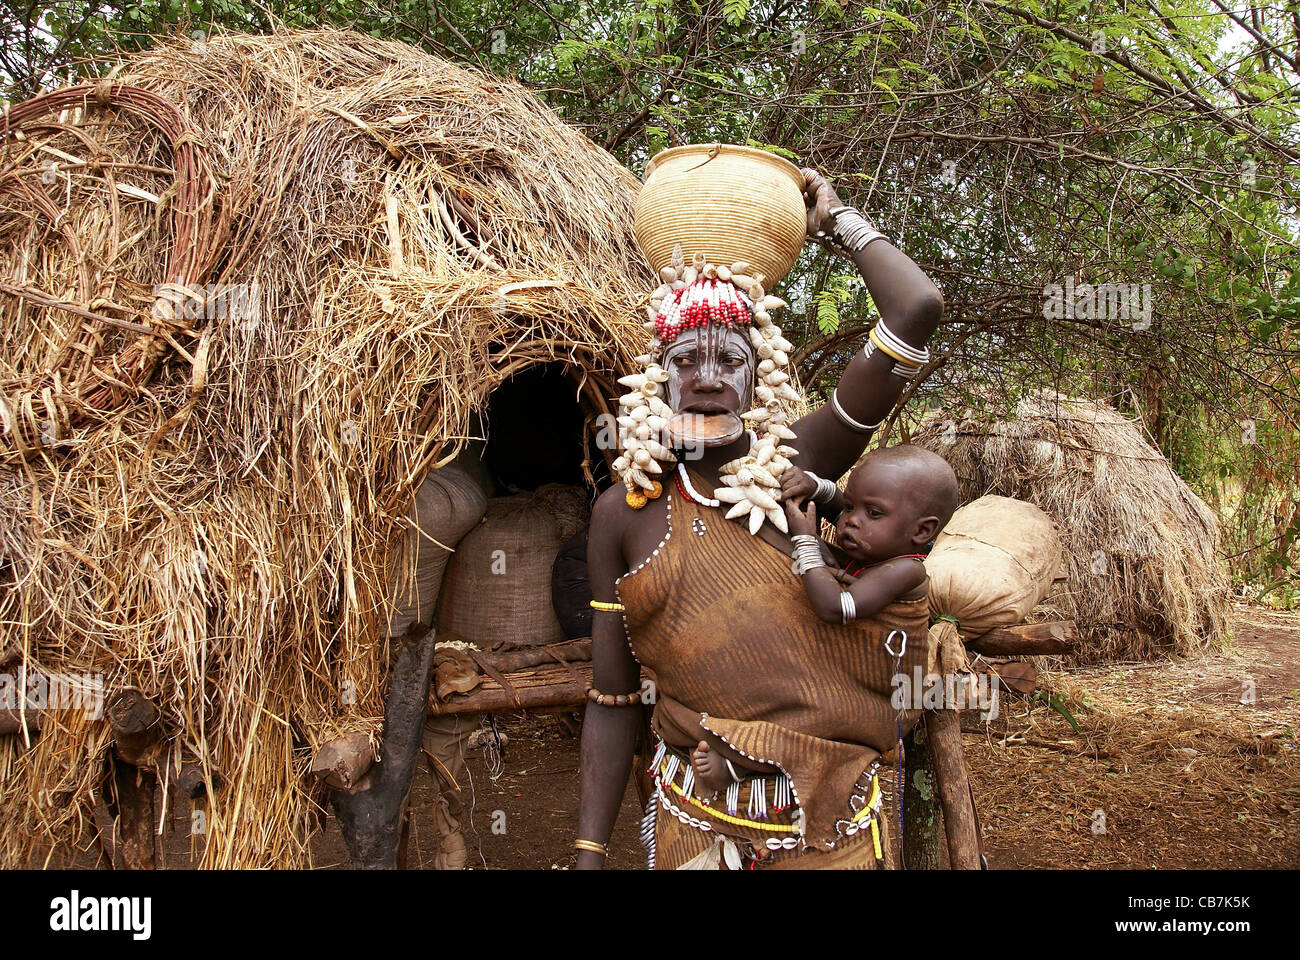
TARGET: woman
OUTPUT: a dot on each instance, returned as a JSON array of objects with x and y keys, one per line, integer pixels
[{"x": 720, "y": 623}]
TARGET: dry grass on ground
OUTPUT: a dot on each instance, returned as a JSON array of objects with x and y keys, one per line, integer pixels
[{"x": 1185, "y": 773}]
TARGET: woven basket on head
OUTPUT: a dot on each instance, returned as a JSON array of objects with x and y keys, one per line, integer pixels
[{"x": 724, "y": 202}]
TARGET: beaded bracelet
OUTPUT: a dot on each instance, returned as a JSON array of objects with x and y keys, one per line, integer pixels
[
  {"x": 613, "y": 699},
  {"x": 606, "y": 607}
]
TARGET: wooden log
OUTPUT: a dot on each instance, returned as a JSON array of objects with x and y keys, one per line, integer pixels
[
  {"x": 136, "y": 728},
  {"x": 370, "y": 814},
  {"x": 944, "y": 729},
  {"x": 922, "y": 825},
  {"x": 539, "y": 689},
  {"x": 342, "y": 762},
  {"x": 11, "y": 721},
  {"x": 572, "y": 651},
  {"x": 1027, "y": 640},
  {"x": 572, "y": 695}
]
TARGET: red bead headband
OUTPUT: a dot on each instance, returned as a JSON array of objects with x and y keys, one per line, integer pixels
[{"x": 704, "y": 301}]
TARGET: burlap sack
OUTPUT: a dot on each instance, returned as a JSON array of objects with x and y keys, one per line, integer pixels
[
  {"x": 992, "y": 564},
  {"x": 447, "y": 506},
  {"x": 497, "y": 591}
]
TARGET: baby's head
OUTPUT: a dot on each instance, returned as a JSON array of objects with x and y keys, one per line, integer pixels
[{"x": 896, "y": 502}]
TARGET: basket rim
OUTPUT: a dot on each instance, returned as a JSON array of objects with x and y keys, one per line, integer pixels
[{"x": 778, "y": 161}]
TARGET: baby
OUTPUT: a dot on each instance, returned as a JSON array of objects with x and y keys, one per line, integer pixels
[{"x": 894, "y": 505}]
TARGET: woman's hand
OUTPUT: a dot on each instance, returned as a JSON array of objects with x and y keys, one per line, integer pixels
[
  {"x": 819, "y": 196},
  {"x": 801, "y": 521}
]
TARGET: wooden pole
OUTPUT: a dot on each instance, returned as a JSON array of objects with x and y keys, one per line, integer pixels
[
  {"x": 370, "y": 813},
  {"x": 1027, "y": 640},
  {"x": 922, "y": 846},
  {"x": 134, "y": 721},
  {"x": 135, "y": 811},
  {"x": 944, "y": 729}
]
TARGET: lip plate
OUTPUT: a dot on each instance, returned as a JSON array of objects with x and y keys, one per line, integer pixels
[{"x": 723, "y": 427}]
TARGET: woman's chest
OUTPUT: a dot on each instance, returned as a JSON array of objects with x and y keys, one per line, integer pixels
[{"x": 675, "y": 515}]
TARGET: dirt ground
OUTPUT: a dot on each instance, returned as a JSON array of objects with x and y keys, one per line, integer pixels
[
  {"x": 1216, "y": 786},
  {"x": 1184, "y": 773}
]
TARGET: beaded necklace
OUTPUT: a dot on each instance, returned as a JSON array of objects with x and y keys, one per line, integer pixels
[{"x": 686, "y": 490}]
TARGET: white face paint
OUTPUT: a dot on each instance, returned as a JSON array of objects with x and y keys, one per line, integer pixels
[{"x": 710, "y": 367}]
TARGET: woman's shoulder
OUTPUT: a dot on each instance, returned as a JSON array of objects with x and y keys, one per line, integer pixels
[
  {"x": 612, "y": 514},
  {"x": 611, "y": 510}
]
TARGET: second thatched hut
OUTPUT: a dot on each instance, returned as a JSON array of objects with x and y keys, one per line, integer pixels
[{"x": 1142, "y": 548}]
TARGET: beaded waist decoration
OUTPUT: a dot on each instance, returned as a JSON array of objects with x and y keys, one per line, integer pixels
[
  {"x": 674, "y": 789},
  {"x": 675, "y": 785}
]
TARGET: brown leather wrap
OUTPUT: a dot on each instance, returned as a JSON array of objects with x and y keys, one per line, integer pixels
[{"x": 723, "y": 623}]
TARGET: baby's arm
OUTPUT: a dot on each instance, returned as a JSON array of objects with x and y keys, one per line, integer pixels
[
  {"x": 871, "y": 592},
  {"x": 819, "y": 583},
  {"x": 880, "y": 586}
]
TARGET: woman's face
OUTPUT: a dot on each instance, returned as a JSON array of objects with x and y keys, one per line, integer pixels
[{"x": 710, "y": 370}]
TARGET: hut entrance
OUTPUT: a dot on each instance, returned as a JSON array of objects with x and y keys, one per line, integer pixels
[
  {"x": 513, "y": 612},
  {"x": 536, "y": 434},
  {"x": 540, "y": 473}
]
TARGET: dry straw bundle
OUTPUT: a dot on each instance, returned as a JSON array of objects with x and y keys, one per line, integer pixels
[
  {"x": 1144, "y": 576},
  {"x": 201, "y": 492}
]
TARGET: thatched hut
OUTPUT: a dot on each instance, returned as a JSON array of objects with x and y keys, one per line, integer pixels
[
  {"x": 252, "y": 290},
  {"x": 1144, "y": 574}
]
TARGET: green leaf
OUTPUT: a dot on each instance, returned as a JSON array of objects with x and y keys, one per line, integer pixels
[
  {"x": 828, "y": 317},
  {"x": 735, "y": 10},
  {"x": 1059, "y": 706}
]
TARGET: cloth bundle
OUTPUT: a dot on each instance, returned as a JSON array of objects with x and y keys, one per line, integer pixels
[
  {"x": 447, "y": 505},
  {"x": 992, "y": 564},
  {"x": 497, "y": 591}
]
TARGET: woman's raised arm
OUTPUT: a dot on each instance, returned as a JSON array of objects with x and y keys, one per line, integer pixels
[{"x": 832, "y": 438}]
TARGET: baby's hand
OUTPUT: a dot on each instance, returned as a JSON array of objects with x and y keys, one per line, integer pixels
[
  {"x": 796, "y": 486},
  {"x": 801, "y": 521}
]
